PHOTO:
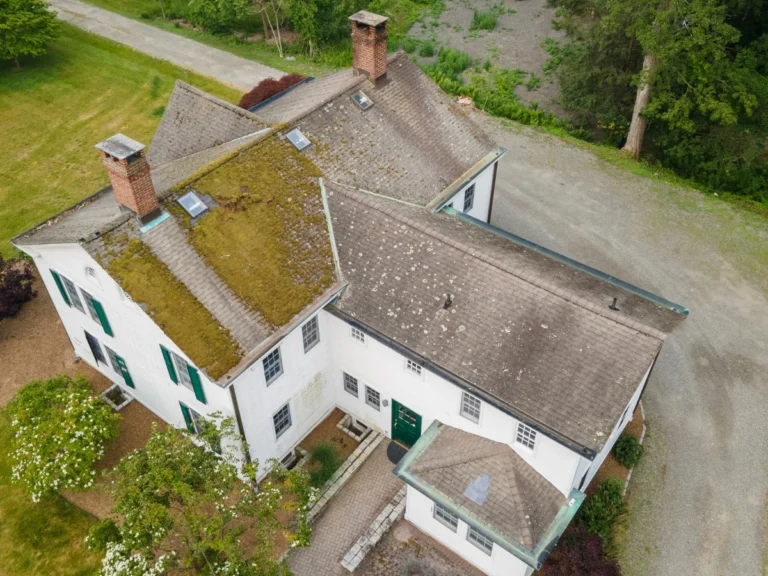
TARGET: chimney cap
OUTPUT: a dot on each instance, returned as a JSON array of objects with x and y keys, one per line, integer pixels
[
  {"x": 368, "y": 18},
  {"x": 120, "y": 146}
]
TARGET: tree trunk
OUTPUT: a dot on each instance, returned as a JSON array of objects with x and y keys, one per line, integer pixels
[
  {"x": 634, "y": 142},
  {"x": 162, "y": 8},
  {"x": 262, "y": 10}
]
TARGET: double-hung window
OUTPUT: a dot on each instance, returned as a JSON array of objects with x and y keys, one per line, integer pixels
[
  {"x": 350, "y": 384},
  {"x": 182, "y": 372},
  {"x": 310, "y": 334},
  {"x": 469, "y": 198},
  {"x": 273, "y": 366},
  {"x": 119, "y": 366},
  {"x": 372, "y": 398},
  {"x": 446, "y": 518},
  {"x": 526, "y": 436},
  {"x": 282, "y": 420},
  {"x": 96, "y": 310},
  {"x": 470, "y": 407},
  {"x": 192, "y": 419},
  {"x": 68, "y": 291},
  {"x": 480, "y": 540}
]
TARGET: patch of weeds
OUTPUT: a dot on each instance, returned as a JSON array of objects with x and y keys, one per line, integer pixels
[
  {"x": 473, "y": 35},
  {"x": 325, "y": 461},
  {"x": 458, "y": 28},
  {"x": 556, "y": 54},
  {"x": 505, "y": 81},
  {"x": 159, "y": 111},
  {"x": 533, "y": 82},
  {"x": 627, "y": 450},
  {"x": 437, "y": 8},
  {"x": 450, "y": 64},
  {"x": 410, "y": 44},
  {"x": 487, "y": 64},
  {"x": 154, "y": 88},
  {"x": 427, "y": 49},
  {"x": 435, "y": 24},
  {"x": 493, "y": 52},
  {"x": 486, "y": 19}
]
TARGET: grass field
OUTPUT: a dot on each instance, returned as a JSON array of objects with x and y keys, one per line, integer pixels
[
  {"x": 45, "y": 538},
  {"x": 57, "y": 107}
]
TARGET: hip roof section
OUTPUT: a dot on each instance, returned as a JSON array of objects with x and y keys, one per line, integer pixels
[{"x": 531, "y": 336}]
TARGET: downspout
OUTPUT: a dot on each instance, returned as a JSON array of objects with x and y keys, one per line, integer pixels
[{"x": 493, "y": 190}]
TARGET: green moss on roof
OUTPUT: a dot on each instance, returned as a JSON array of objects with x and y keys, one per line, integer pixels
[
  {"x": 170, "y": 304},
  {"x": 268, "y": 239}
]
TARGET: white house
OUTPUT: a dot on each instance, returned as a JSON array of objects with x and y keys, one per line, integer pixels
[{"x": 331, "y": 248}]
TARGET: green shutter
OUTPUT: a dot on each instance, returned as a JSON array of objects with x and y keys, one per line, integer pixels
[
  {"x": 194, "y": 375},
  {"x": 124, "y": 371},
  {"x": 102, "y": 316},
  {"x": 61, "y": 288},
  {"x": 169, "y": 364},
  {"x": 187, "y": 418}
]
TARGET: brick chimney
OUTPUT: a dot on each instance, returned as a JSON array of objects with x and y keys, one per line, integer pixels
[
  {"x": 369, "y": 44},
  {"x": 128, "y": 171}
]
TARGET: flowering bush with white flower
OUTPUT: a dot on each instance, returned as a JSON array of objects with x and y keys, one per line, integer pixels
[
  {"x": 59, "y": 429},
  {"x": 190, "y": 500}
]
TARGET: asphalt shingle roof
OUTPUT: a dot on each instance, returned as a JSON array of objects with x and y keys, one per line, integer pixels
[
  {"x": 519, "y": 503},
  {"x": 537, "y": 344}
]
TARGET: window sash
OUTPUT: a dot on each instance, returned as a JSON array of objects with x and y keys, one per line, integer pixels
[
  {"x": 358, "y": 335},
  {"x": 310, "y": 334},
  {"x": 470, "y": 407},
  {"x": 526, "y": 436},
  {"x": 351, "y": 385},
  {"x": 469, "y": 198},
  {"x": 273, "y": 366},
  {"x": 181, "y": 370},
  {"x": 372, "y": 398},
  {"x": 413, "y": 366},
  {"x": 282, "y": 420},
  {"x": 445, "y": 518},
  {"x": 74, "y": 297},
  {"x": 480, "y": 540}
]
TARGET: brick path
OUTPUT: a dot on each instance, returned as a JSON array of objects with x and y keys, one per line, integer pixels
[{"x": 347, "y": 516}]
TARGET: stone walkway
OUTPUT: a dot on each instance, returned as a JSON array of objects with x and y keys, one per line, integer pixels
[
  {"x": 223, "y": 66},
  {"x": 347, "y": 517}
]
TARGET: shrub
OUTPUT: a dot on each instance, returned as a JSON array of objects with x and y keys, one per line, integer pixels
[
  {"x": 268, "y": 88},
  {"x": 579, "y": 553},
  {"x": 410, "y": 44},
  {"x": 58, "y": 429},
  {"x": 16, "y": 280},
  {"x": 326, "y": 455},
  {"x": 601, "y": 511},
  {"x": 102, "y": 534},
  {"x": 627, "y": 450},
  {"x": 427, "y": 49}
]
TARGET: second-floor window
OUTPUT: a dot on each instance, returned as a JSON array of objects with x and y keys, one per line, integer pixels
[
  {"x": 413, "y": 366},
  {"x": 273, "y": 366},
  {"x": 96, "y": 310},
  {"x": 357, "y": 334},
  {"x": 182, "y": 372},
  {"x": 469, "y": 198},
  {"x": 526, "y": 436},
  {"x": 470, "y": 407},
  {"x": 310, "y": 334}
]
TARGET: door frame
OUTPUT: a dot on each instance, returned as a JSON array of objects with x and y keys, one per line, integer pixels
[{"x": 395, "y": 418}]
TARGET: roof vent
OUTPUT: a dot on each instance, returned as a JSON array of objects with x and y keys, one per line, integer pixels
[
  {"x": 613, "y": 305},
  {"x": 298, "y": 139},
  {"x": 362, "y": 100},
  {"x": 448, "y": 301},
  {"x": 192, "y": 204}
]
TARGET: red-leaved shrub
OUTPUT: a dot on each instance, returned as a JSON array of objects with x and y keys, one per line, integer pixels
[
  {"x": 579, "y": 553},
  {"x": 268, "y": 88},
  {"x": 15, "y": 286}
]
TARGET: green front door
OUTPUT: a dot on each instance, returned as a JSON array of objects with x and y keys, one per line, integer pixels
[{"x": 406, "y": 424}]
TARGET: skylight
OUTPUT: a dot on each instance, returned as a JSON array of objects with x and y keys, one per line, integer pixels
[
  {"x": 362, "y": 100},
  {"x": 192, "y": 204},
  {"x": 298, "y": 139}
]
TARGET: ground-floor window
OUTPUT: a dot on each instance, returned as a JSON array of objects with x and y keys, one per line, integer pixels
[
  {"x": 350, "y": 384},
  {"x": 372, "y": 398},
  {"x": 443, "y": 516},
  {"x": 478, "y": 539},
  {"x": 282, "y": 420}
]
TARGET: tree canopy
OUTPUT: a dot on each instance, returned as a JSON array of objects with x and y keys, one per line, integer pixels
[
  {"x": 708, "y": 106},
  {"x": 26, "y": 28}
]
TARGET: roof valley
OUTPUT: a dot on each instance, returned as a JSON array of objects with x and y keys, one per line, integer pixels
[
  {"x": 383, "y": 205},
  {"x": 169, "y": 243}
]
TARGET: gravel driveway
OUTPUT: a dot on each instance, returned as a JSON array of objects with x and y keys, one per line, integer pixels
[{"x": 699, "y": 496}]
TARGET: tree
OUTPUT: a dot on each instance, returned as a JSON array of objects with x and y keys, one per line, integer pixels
[
  {"x": 58, "y": 429},
  {"x": 26, "y": 28},
  {"x": 188, "y": 501},
  {"x": 16, "y": 286},
  {"x": 217, "y": 15}
]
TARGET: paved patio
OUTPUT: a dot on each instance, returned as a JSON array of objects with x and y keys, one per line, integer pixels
[{"x": 347, "y": 517}]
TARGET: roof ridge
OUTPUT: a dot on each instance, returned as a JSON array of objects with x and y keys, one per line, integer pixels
[
  {"x": 219, "y": 101},
  {"x": 325, "y": 100},
  {"x": 510, "y": 470},
  {"x": 384, "y": 205}
]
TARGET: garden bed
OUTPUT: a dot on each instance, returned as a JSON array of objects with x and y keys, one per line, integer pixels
[
  {"x": 327, "y": 431},
  {"x": 611, "y": 467}
]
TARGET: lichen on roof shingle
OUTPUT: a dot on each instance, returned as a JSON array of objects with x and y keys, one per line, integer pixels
[{"x": 267, "y": 237}]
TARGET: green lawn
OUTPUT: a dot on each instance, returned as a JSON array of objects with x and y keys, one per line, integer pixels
[
  {"x": 45, "y": 538},
  {"x": 57, "y": 107}
]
